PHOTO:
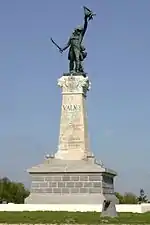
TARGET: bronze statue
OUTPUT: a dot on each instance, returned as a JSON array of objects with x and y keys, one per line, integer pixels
[{"x": 77, "y": 52}]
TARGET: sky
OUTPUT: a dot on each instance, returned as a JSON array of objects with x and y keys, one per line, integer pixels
[{"x": 118, "y": 45}]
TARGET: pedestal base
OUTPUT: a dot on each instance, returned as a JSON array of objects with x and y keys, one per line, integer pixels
[
  {"x": 68, "y": 199},
  {"x": 71, "y": 182}
]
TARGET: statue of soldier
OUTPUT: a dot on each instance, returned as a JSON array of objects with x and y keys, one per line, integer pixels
[
  {"x": 77, "y": 52},
  {"x": 76, "y": 49}
]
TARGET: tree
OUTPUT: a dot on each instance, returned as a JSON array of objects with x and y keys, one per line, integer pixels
[
  {"x": 127, "y": 198},
  {"x": 142, "y": 198},
  {"x": 130, "y": 198},
  {"x": 12, "y": 191},
  {"x": 120, "y": 197}
]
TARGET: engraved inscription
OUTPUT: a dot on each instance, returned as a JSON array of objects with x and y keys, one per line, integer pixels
[
  {"x": 73, "y": 145},
  {"x": 71, "y": 107},
  {"x": 76, "y": 127},
  {"x": 65, "y": 146},
  {"x": 74, "y": 138}
]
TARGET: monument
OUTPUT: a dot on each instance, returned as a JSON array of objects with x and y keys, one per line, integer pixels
[{"x": 73, "y": 175}]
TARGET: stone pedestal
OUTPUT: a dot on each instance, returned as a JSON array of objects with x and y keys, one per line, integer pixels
[
  {"x": 73, "y": 137},
  {"x": 72, "y": 176}
]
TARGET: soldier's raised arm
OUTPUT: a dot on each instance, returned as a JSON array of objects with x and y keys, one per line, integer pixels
[
  {"x": 85, "y": 26},
  {"x": 88, "y": 15}
]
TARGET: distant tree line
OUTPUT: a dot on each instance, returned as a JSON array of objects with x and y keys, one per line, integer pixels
[
  {"x": 130, "y": 198},
  {"x": 12, "y": 192}
]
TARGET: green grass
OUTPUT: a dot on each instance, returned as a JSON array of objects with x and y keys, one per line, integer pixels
[{"x": 71, "y": 218}]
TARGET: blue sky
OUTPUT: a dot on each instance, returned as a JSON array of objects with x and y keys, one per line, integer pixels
[{"x": 118, "y": 45}]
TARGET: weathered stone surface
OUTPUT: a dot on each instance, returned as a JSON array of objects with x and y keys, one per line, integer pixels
[
  {"x": 57, "y": 178},
  {"x": 97, "y": 184},
  {"x": 75, "y": 190},
  {"x": 50, "y": 178},
  {"x": 95, "y": 178},
  {"x": 73, "y": 138},
  {"x": 84, "y": 190},
  {"x": 88, "y": 184},
  {"x": 95, "y": 190},
  {"x": 75, "y": 178},
  {"x": 84, "y": 178},
  {"x": 65, "y": 190},
  {"x": 41, "y": 185},
  {"x": 72, "y": 176},
  {"x": 56, "y": 190},
  {"x": 71, "y": 184},
  {"x": 79, "y": 184},
  {"x": 66, "y": 178},
  {"x": 37, "y": 178},
  {"x": 53, "y": 184},
  {"x": 61, "y": 184}
]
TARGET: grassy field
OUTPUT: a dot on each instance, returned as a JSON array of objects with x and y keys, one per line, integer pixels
[{"x": 71, "y": 218}]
